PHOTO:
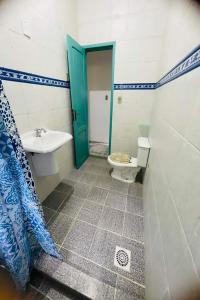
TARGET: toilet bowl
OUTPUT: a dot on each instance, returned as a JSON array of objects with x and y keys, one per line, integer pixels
[
  {"x": 125, "y": 172},
  {"x": 125, "y": 167}
]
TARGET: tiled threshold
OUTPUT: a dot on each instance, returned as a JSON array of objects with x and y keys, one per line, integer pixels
[
  {"x": 87, "y": 241},
  {"x": 72, "y": 280},
  {"x": 63, "y": 281}
]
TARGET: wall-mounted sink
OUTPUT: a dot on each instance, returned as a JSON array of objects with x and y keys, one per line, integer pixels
[
  {"x": 49, "y": 141},
  {"x": 43, "y": 143}
]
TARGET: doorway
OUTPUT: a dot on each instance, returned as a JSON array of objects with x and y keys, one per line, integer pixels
[
  {"x": 97, "y": 140},
  {"x": 99, "y": 79}
]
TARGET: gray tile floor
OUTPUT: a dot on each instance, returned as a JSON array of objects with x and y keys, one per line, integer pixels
[{"x": 101, "y": 214}]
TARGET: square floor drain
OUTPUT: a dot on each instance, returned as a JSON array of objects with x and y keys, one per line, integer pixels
[{"x": 122, "y": 258}]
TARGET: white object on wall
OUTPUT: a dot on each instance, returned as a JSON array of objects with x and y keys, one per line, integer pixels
[{"x": 99, "y": 116}]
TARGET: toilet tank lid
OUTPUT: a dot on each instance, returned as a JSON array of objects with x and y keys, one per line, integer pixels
[{"x": 143, "y": 142}]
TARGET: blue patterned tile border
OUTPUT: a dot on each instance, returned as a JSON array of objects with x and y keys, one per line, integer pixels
[
  {"x": 19, "y": 76},
  {"x": 134, "y": 86},
  {"x": 189, "y": 63}
]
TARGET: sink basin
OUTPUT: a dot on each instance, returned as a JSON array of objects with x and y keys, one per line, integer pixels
[{"x": 49, "y": 141}]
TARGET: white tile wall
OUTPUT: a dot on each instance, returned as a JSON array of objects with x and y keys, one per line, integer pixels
[
  {"x": 182, "y": 33},
  {"x": 174, "y": 167},
  {"x": 43, "y": 53},
  {"x": 138, "y": 28},
  {"x": 133, "y": 111}
]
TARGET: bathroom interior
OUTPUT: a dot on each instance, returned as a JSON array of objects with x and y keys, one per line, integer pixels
[{"x": 99, "y": 149}]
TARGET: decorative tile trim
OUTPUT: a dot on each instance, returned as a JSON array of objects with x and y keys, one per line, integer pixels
[
  {"x": 189, "y": 63},
  {"x": 19, "y": 76},
  {"x": 134, "y": 86}
]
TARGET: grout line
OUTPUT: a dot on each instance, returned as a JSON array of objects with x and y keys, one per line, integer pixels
[
  {"x": 39, "y": 291},
  {"x": 116, "y": 288},
  {"x": 124, "y": 211},
  {"x": 99, "y": 227},
  {"x": 73, "y": 222},
  {"x": 182, "y": 137},
  {"x": 105, "y": 268},
  {"x": 126, "y": 204},
  {"x": 124, "y": 218},
  {"x": 179, "y": 219},
  {"x": 134, "y": 214},
  {"x": 51, "y": 216},
  {"x": 108, "y": 190},
  {"x": 97, "y": 224},
  {"x": 57, "y": 210},
  {"x": 67, "y": 197},
  {"x": 115, "y": 292},
  {"x": 92, "y": 240},
  {"x": 96, "y": 185},
  {"x": 58, "y": 246}
]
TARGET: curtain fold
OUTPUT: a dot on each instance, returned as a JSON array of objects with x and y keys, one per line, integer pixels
[
  {"x": 23, "y": 232},
  {"x": 9, "y": 122}
]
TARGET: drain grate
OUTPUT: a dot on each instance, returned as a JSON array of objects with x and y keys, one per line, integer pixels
[{"x": 122, "y": 258}]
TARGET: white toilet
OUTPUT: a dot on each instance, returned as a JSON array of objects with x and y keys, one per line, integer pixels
[{"x": 125, "y": 167}]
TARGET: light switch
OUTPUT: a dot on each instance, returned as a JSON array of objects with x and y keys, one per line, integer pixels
[{"x": 119, "y": 99}]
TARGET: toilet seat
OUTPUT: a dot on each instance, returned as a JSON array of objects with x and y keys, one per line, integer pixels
[
  {"x": 131, "y": 164},
  {"x": 120, "y": 157}
]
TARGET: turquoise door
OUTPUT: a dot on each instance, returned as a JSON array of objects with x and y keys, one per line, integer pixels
[{"x": 79, "y": 102}]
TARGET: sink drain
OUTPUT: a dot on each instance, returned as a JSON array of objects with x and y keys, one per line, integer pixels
[{"x": 122, "y": 258}]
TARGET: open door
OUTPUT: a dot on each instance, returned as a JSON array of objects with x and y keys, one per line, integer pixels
[{"x": 78, "y": 90}]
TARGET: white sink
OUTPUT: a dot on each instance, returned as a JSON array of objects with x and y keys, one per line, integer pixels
[{"x": 49, "y": 141}]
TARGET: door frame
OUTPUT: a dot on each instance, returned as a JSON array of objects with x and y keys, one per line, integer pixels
[{"x": 101, "y": 47}]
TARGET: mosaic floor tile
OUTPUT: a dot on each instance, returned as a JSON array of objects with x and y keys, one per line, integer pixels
[
  {"x": 80, "y": 238},
  {"x": 116, "y": 200},
  {"x": 112, "y": 220},
  {"x": 59, "y": 227},
  {"x": 135, "y": 205},
  {"x": 134, "y": 227},
  {"x": 81, "y": 190},
  {"x": 98, "y": 195},
  {"x": 89, "y": 267},
  {"x": 103, "y": 250},
  {"x": 127, "y": 290}
]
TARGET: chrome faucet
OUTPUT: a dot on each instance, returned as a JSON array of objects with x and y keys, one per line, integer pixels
[{"x": 38, "y": 131}]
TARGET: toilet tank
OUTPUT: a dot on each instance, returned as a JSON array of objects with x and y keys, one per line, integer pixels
[{"x": 143, "y": 151}]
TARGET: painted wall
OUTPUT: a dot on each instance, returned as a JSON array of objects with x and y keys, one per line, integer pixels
[
  {"x": 137, "y": 27},
  {"x": 99, "y": 73},
  {"x": 47, "y": 24},
  {"x": 172, "y": 183},
  {"x": 99, "y": 70}
]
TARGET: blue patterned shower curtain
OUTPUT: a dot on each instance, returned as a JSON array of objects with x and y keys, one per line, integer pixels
[{"x": 23, "y": 233}]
